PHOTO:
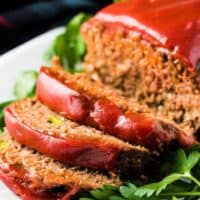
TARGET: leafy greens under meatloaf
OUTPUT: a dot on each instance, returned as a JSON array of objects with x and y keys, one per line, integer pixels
[{"x": 75, "y": 144}]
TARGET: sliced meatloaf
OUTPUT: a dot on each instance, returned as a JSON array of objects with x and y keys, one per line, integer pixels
[
  {"x": 43, "y": 177},
  {"x": 35, "y": 125},
  {"x": 150, "y": 51},
  {"x": 79, "y": 98}
]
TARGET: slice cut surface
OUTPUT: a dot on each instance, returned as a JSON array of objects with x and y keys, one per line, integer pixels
[
  {"x": 30, "y": 173},
  {"x": 126, "y": 59},
  {"x": 30, "y": 123},
  {"x": 78, "y": 98}
]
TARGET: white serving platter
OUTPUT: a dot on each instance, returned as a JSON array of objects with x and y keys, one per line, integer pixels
[{"x": 29, "y": 55}]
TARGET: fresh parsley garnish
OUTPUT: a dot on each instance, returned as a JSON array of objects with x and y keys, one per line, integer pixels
[
  {"x": 181, "y": 183},
  {"x": 69, "y": 46},
  {"x": 24, "y": 87},
  {"x": 2, "y": 106},
  {"x": 25, "y": 84}
]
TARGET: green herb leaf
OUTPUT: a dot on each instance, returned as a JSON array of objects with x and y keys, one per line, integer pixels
[
  {"x": 196, "y": 147},
  {"x": 2, "y": 106},
  {"x": 183, "y": 161},
  {"x": 129, "y": 191},
  {"x": 116, "y": 198},
  {"x": 25, "y": 84},
  {"x": 157, "y": 188},
  {"x": 102, "y": 194},
  {"x": 24, "y": 87},
  {"x": 110, "y": 187},
  {"x": 176, "y": 186},
  {"x": 70, "y": 46},
  {"x": 192, "y": 160},
  {"x": 180, "y": 161}
]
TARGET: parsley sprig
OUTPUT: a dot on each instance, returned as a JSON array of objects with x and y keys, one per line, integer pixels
[
  {"x": 2, "y": 106},
  {"x": 181, "y": 183},
  {"x": 70, "y": 46},
  {"x": 24, "y": 87}
]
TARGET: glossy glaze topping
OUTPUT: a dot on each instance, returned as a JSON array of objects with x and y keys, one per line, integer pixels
[
  {"x": 174, "y": 24},
  {"x": 76, "y": 103},
  {"x": 70, "y": 151}
]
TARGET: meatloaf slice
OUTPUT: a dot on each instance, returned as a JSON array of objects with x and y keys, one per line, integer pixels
[
  {"x": 41, "y": 176},
  {"x": 122, "y": 55},
  {"x": 80, "y": 99},
  {"x": 35, "y": 125}
]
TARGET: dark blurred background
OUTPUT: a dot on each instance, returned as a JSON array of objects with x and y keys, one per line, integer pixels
[{"x": 21, "y": 20}]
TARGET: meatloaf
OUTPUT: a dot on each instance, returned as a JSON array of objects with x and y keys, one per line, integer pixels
[
  {"x": 75, "y": 144},
  {"x": 43, "y": 177},
  {"x": 150, "y": 50},
  {"x": 80, "y": 99}
]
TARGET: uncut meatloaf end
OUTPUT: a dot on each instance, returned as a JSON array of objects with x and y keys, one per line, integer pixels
[
  {"x": 122, "y": 58},
  {"x": 93, "y": 148},
  {"x": 44, "y": 176}
]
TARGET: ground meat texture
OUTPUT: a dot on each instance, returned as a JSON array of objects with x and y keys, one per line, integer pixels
[
  {"x": 144, "y": 71},
  {"x": 39, "y": 119},
  {"x": 85, "y": 84},
  {"x": 41, "y": 173},
  {"x": 78, "y": 98}
]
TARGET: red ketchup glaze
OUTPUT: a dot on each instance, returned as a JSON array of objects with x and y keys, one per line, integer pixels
[
  {"x": 103, "y": 114},
  {"x": 71, "y": 150},
  {"x": 174, "y": 24},
  {"x": 26, "y": 194},
  {"x": 71, "y": 102},
  {"x": 131, "y": 127}
]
